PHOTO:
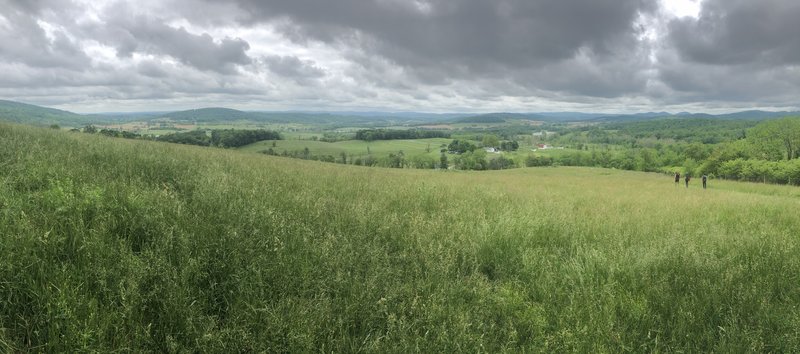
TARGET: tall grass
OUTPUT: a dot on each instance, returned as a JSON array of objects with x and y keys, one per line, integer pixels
[{"x": 118, "y": 245}]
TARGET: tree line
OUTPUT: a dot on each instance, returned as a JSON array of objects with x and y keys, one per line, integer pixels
[
  {"x": 229, "y": 138},
  {"x": 767, "y": 152},
  {"x": 392, "y": 160},
  {"x": 392, "y": 134}
]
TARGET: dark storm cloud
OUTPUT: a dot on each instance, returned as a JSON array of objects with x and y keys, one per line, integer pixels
[
  {"x": 736, "y": 51},
  {"x": 586, "y": 47},
  {"x": 739, "y": 32},
  {"x": 749, "y": 83},
  {"x": 476, "y": 34}
]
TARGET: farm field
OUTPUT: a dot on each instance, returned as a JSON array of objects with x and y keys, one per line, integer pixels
[
  {"x": 167, "y": 127},
  {"x": 355, "y": 148},
  {"x": 129, "y": 245}
]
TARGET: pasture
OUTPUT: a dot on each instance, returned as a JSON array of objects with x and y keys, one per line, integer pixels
[{"x": 354, "y": 148}]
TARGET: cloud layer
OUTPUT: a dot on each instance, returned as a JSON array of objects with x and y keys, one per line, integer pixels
[{"x": 430, "y": 55}]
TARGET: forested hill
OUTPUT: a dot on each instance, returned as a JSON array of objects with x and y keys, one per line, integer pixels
[
  {"x": 617, "y": 118},
  {"x": 499, "y": 117},
  {"x": 752, "y": 115},
  {"x": 219, "y": 114},
  {"x": 705, "y": 130},
  {"x": 212, "y": 114},
  {"x": 18, "y": 112}
]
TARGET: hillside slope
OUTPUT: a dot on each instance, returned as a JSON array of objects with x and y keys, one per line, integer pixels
[
  {"x": 17, "y": 112},
  {"x": 112, "y": 244}
]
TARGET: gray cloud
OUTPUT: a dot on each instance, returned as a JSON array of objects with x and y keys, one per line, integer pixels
[
  {"x": 25, "y": 40},
  {"x": 303, "y": 71},
  {"x": 401, "y": 54},
  {"x": 740, "y": 32},
  {"x": 539, "y": 44},
  {"x": 474, "y": 34},
  {"x": 130, "y": 33},
  {"x": 152, "y": 68},
  {"x": 737, "y": 51},
  {"x": 37, "y": 6}
]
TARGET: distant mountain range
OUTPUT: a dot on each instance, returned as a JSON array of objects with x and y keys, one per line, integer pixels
[
  {"x": 31, "y": 114},
  {"x": 216, "y": 114},
  {"x": 744, "y": 115},
  {"x": 602, "y": 118}
]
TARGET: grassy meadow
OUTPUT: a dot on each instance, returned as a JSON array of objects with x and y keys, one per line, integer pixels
[
  {"x": 354, "y": 148},
  {"x": 125, "y": 245}
]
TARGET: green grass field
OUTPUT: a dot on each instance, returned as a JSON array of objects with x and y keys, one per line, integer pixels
[
  {"x": 170, "y": 127},
  {"x": 354, "y": 148},
  {"x": 122, "y": 245}
]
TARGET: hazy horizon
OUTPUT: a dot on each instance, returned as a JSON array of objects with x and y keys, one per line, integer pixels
[{"x": 402, "y": 112}]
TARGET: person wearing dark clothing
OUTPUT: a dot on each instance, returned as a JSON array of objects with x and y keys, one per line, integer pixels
[
  {"x": 677, "y": 178},
  {"x": 705, "y": 178},
  {"x": 686, "y": 179}
]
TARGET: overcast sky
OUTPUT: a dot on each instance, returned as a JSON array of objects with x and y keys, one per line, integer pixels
[{"x": 402, "y": 55}]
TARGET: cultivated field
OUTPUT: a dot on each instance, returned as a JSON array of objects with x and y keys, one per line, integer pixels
[{"x": 123, "y": 245}]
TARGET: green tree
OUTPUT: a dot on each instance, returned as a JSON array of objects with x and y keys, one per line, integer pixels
[
  {"x": 696, "y": 151},
  {"x": 472, "y": 160},
  {"x": 535, "y": 161},
  {"x": 690, "y": 167},
  {"x": 501, "y": 163},
  {"x": 732, "y": 169},
  {"x": 646, "y": 161},
  {"x": 779, "y": 134},
  {"x": 509, "y": 146},
  {"x": 490, "y": 140},
  {"x": 460, "y": 146},
  {"x": 422, "y": 162}
]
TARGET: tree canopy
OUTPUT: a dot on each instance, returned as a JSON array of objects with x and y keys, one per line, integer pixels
[
  {"x": 460, "y": 146},
  {"x": 778, "y": 134},
  {"x": 392, "y": 134},
  {"x": 221, "y": 137}
]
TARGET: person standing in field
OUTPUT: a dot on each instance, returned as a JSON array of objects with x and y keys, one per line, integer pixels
[
  {"x": 686, "y": 179},
  {"x": 705, "y": 178},
  {"x": 677, "y": 178}
]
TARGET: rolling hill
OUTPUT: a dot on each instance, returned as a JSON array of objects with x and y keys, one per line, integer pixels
[
  {"x": 499, "y": 117},
  {"x": 111, "y": 244},
  {"x": 213, "y": 114},
  {"x": 321, "y": 118},
  {"x": 753, "y": 115},
  {"x": 17, "y": 112}
]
